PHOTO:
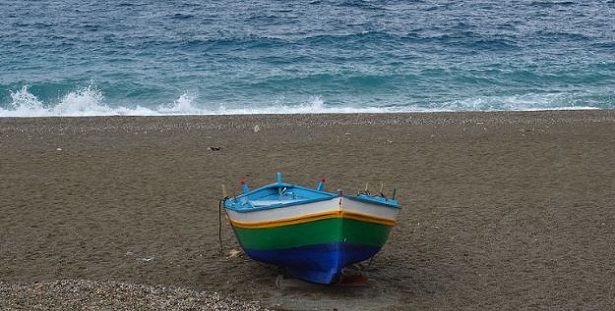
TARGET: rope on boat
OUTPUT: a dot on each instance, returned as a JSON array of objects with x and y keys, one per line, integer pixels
[{"x": 220, "y": 204}]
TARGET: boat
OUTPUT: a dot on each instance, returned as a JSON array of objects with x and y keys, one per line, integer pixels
[{"x": 312, "y": 233}]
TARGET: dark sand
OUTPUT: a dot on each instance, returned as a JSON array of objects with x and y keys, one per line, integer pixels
[{"x": 502, "y": 211}]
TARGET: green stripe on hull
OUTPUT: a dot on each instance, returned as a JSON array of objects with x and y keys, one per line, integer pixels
[{"x": 316, "y": 232}]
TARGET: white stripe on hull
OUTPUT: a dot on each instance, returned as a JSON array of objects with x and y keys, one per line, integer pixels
[
  {"x": 294, "y": 211},
  {"x": 376, "y": 210}
]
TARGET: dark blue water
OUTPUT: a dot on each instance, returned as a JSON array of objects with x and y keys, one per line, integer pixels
[{"x": 85, "y": 57}]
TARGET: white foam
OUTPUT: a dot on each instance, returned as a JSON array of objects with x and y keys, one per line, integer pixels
[
  {"x": 312, "y": 106},
  {"x": 91, "y": 102},
  {"x": 181, "y": 106},
  {"x": 23, "y": 104},
  {"x": 523, "y": 102},
  {"x": 85, "y": 102}
]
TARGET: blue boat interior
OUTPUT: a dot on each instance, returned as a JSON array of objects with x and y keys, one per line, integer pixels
[
  {"x": 281, "y": 194},
  {"x": 277, "y": 195}
]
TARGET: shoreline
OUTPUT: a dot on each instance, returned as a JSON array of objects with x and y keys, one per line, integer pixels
[{"x": 501, "y": 210}]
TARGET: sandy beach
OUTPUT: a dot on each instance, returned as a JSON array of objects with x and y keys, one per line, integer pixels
[{"x": 502, "y": 211}]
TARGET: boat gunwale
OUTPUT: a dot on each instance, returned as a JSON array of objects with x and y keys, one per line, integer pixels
[
  {"x": 365, "y": 198},
  {"x": 232, "y": 204}
]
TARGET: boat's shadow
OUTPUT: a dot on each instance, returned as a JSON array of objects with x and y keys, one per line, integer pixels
[{"x": 353, "y": 292}]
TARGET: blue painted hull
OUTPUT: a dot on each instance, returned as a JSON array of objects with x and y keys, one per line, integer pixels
[{"x": 322, "y": 263}]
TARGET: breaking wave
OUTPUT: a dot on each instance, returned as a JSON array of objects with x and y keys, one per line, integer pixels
[{"x": 89, "y": 102}]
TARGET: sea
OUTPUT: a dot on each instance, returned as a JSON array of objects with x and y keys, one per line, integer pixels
[{"x": 72, "y": 58}]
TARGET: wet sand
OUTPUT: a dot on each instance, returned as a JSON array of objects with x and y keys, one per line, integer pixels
[{"x": 506, "y": 211}]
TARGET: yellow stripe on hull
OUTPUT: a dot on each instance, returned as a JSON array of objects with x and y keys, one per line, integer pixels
[{"x": 313, "y": 217}]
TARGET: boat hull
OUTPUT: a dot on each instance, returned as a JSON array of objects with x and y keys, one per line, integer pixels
[
  {"x": 320, "y": 263},
  {"x": 315, "y": 241}
]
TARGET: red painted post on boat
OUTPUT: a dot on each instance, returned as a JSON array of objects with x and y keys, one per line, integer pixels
[
  {"x": 244, "y": 186},
  {"x": 321, "y": 184}
]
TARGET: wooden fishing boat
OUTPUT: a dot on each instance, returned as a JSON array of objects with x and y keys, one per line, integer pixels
[{"x": 312, "y": 233}]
